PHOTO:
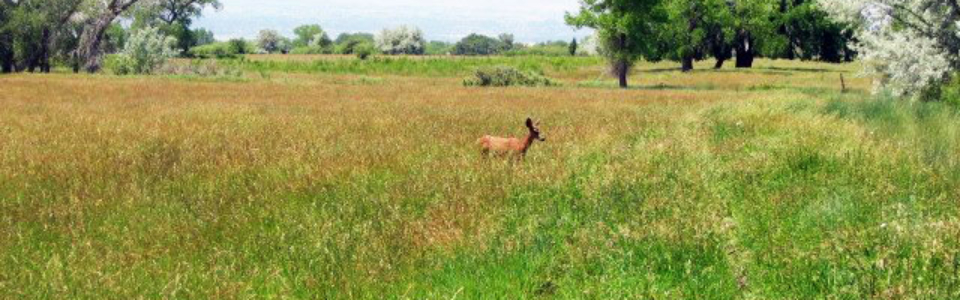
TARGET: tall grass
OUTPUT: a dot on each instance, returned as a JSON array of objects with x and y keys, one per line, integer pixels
[{"x": 319, "y": 187}]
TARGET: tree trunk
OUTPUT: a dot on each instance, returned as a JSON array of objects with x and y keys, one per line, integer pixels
[
  {"x": 745, "y": 51},
  {"x": 44, "y": 55},
  {"x": 622, "y": 71},
  {"x": 90, "y": 40},
  {"x": 687, "y": 64},
  {"x": 745, "y": 59},
  {"x": 6, "y": 60},
  {"x": 623, "y": 66},
  {"x": 719, "y": 64}
]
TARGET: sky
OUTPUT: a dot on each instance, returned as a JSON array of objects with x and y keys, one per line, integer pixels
[{"x": 446, "y": 20}]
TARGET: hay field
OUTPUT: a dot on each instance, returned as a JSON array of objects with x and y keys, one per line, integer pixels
[{"x": 294, "y": 182}]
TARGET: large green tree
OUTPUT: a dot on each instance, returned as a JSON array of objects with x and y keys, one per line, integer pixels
[
  {"x": 627, "y": 30},
  {"x": 692, "y": 29}
]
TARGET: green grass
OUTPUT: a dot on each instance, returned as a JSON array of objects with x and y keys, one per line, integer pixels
[{"x": 369, "y": 185}]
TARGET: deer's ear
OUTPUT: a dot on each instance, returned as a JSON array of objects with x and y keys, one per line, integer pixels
[{"x": 529, "y": 122}]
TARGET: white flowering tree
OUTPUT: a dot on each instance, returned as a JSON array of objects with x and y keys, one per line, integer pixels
[
  {"x": 402, "y": 40},
  {"x": 145, "y": 51},
  {"x": 270, "y": 41},
  {"x": 910, "y": 45},
  {"x": 589, "y": 46}
]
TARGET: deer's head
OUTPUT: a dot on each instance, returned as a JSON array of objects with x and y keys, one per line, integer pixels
[{"x": 535, "y": 130}]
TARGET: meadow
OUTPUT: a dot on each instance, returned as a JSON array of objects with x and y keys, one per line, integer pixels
[{"x": 330, "y": 177}]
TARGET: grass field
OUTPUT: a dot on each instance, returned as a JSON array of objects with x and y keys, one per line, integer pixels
[{"x": 332, "y": 178}]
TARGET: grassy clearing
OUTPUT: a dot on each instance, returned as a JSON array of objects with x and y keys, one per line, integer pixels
[{"x": 766, "y": 183}]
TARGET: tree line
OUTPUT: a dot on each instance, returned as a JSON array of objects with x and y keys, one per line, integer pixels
[
  {"x": 35, "y": 34},
  {"x": 690, "y": 30}
]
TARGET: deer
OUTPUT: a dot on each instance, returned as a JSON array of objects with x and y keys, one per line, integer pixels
[{"x": 511, "y": 146}]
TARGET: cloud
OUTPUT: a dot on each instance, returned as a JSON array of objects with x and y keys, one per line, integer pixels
[{"x": 529, "y": 20}]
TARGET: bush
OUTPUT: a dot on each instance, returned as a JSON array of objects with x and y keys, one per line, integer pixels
[
  {"x": 363, "y": 51},
  {"x": 507, "y": 76},
  {"x": 240, "y": 46},
  {"x": 146, "y": 50}
]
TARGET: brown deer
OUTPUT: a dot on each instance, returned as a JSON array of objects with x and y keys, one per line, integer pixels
[{"x": 504, "y": 146}]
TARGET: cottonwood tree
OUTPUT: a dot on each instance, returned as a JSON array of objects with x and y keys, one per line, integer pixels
[
  {"x": 912, "y": 45},
  {"x": 626, "y": 30},
  {"x": 691, "y": 26},
  {"x": 104, "y": 12},
  {"x": 30, "y": 31}
]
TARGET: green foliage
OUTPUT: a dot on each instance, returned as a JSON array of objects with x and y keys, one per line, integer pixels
[
  {"x": 34, "y": 33},
  {"x": 229, "y": 49},
  {"x": 573, "y": 47},
  {"x": 811, "y": 34},
  {"x": 477, "y": 44},
  {"x": 215, "y": 50},
  {"x": 439, "y": 48},
  {"x": 624, "y": 29},
  {"x": 502, "y": 76},
  {"x": 692, "y": 26},
  {"x": 311, "y": 35},
  {"x": 240, "y": 46},
  {"x": 203, "y": 36},
  {"x": 348, "y": 43},
  {"x": 364, "y": 50},
  {"x": 118, "y": 64},
  {"x": 115, "y": 38},
  {"x": 361, "y": 36},
  {"x": 270, "y": 41},
  {"x": 174, "y": 18},
  {"x": 948, "y": 92}
]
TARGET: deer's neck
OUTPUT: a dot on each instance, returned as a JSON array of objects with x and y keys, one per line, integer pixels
[{"x": 526, "y": 144}]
